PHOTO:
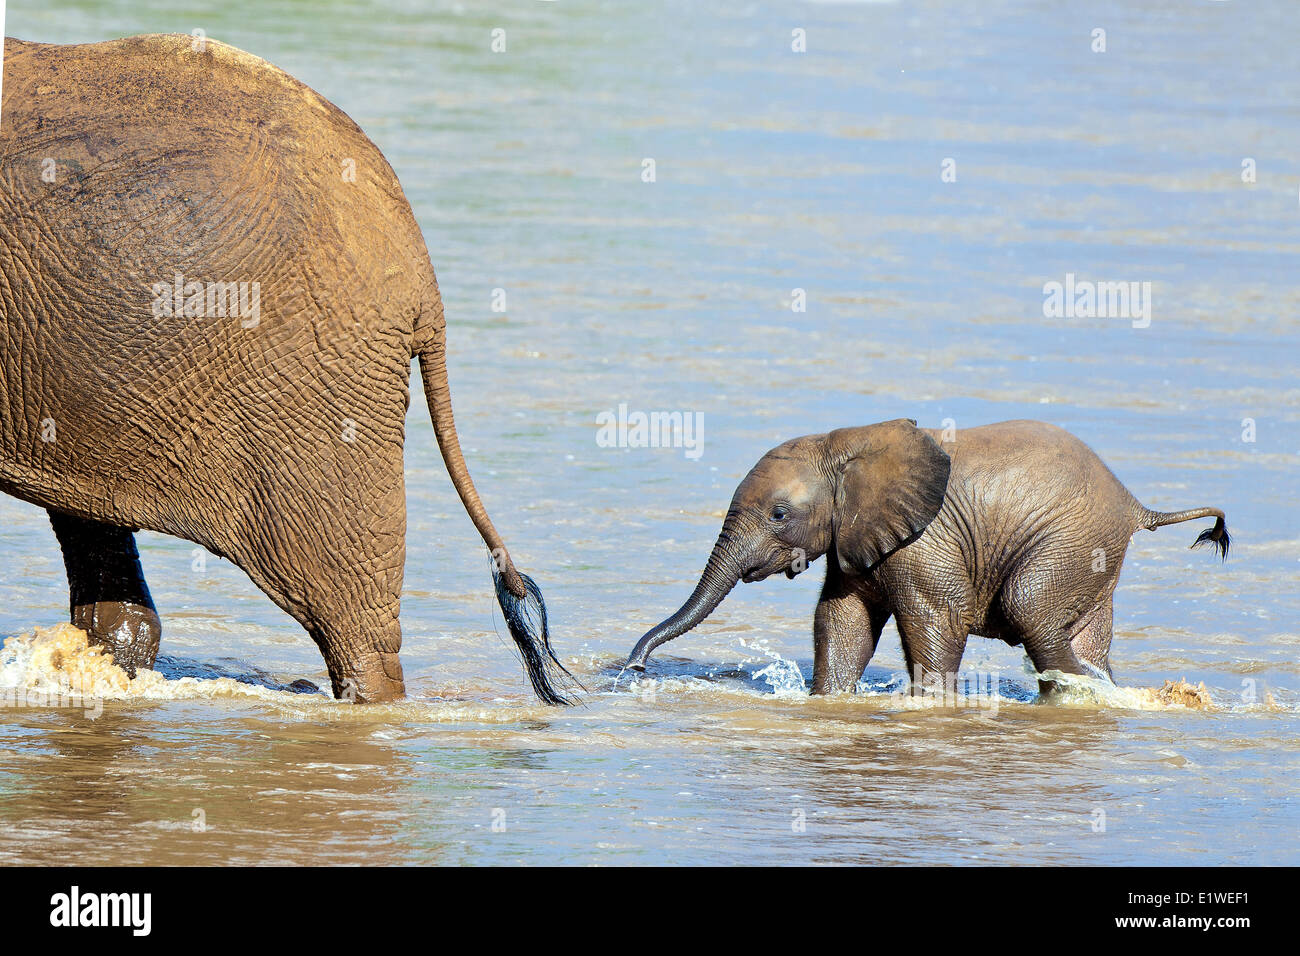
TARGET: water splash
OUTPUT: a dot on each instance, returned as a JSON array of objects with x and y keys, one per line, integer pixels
[
  {"x": 784, "y": 677},
  {"x": 57, "y": 667},
  {"x": 59, "y": 663},
  {"x": 1077, "y": 689},
  {"x": 781, "y": 675}
]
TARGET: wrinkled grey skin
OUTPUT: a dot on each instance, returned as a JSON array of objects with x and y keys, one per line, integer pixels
[
  {"x": 273, "y": 439},
  {"x": 1014, "y": 531}
]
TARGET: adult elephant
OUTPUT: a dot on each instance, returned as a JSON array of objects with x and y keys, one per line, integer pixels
[{"x": 212, "y": 288}]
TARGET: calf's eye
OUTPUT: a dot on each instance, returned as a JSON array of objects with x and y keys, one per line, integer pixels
[{"x": 779, "y": 513}]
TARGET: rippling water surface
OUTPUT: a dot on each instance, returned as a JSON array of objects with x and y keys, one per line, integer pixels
[{"x": 775, "y": 171}]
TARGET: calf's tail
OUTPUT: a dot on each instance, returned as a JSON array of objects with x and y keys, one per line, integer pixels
[{"x": 1216, "y": 536}]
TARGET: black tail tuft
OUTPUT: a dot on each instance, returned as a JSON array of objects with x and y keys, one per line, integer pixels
[
  {"x": 1217, "y": 536},
  {"x": 526, "y": 619}
]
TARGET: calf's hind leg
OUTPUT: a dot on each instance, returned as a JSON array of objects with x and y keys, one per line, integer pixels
[
  {"x": 1090, "y": 638},
  {"x": 107, "y": 593},
  {"x": 1082, "y": 647},
  {"x": 1064, "y": 619}
]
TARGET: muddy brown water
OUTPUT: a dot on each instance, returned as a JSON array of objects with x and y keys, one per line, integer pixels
[{"x": 774, "y": 171}]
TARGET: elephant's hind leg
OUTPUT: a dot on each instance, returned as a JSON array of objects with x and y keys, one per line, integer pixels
[
  {"x": 1064, "y": 619},
  {"x": 108, "y": 595},
  {"x": 1081, "y": 647},
  {"x": 336, "y": 567},
  {"x": 351, "y": 612},
  {"x": 362, "y": 656},
  {"x": 1090, "y": 638}
]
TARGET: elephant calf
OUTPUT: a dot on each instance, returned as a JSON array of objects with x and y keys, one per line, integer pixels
[{"x": 1013, "y": 531}]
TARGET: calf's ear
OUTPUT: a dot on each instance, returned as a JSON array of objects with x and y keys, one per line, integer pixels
[{"x": 890, "y": 483}]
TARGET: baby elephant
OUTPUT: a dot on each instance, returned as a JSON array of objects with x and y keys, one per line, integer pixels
[{"x": 1014, "y": 531}]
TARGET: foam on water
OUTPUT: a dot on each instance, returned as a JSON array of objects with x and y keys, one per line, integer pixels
[
  {"x": 1079, "y": 690},
  {"x": 1172, "y": 695},
  {"x": 57, "y": 665},
  {"x": 782, "y": 678},
  {"x": 58, "y": 662}
]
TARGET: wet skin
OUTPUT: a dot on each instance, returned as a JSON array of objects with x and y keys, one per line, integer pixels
[{"x": 1014, "y": 531}]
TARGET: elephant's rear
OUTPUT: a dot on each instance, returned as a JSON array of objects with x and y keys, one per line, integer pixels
[
  {"x": 1066, "y": 473},
  {"x": 161, "y": 146},
  {"x": 1037, "y": 480},
  {"x": 213, "y": 282},
  {"x": 193, "y": 239},
  {"x": 1034, "y": 488}
]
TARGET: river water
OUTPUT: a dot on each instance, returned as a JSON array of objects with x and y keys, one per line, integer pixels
[{"x": 774, "y": 171}]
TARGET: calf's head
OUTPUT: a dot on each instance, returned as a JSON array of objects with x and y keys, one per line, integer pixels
[{"x": 857, "y": 494}]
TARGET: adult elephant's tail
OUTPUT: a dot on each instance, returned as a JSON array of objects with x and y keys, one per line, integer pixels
[
  {"x": 517, "y": 593},
  {"x": 1216, "y": 536}
]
